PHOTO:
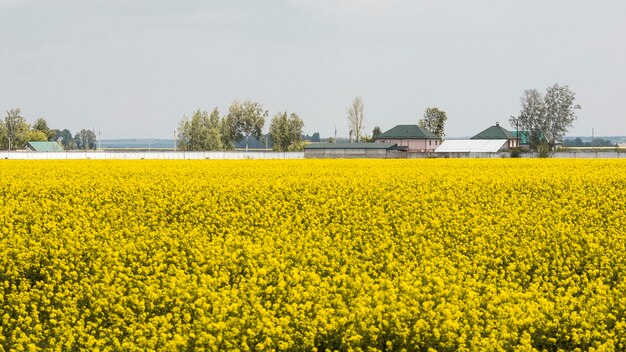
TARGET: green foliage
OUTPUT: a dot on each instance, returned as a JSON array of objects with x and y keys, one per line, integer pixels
[
  {"x": 36, "y": 136},
  {"x": 515, "y": 152},
  {"x": 66, "y": 140},
  {"x": 546, "y": 117},
  {"x": 543, "y": 150},
  {"x": 15, "y": 130},
  {"x": 41, "y": 125},
  {"x": 85, "y": 139},
  {"x": 434, "y": 120},
  {"x": 53, "y": 134},
  {"x": 201, "y": 132},
  {"x": 376, "y": 132},
  {"x": 286, "y": 132},
  {"x": 244, "y": 120}
]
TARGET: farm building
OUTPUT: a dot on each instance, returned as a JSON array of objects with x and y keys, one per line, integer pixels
[
  {"x": 497, "y": 132},
  {"x": 350, "y": 150},
  {"x": 472, "y": 146},
  {"x": 44, "y": 147},
  {"x": 492, "y": 140},
  {"x": 413, "y": 137}
]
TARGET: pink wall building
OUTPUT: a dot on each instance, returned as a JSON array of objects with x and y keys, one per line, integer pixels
[{"x": 415, "y": 138}]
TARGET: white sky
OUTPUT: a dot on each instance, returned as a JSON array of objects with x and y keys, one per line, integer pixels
[{"x": 133, "y": 68}]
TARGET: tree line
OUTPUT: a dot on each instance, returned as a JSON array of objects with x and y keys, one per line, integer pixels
[
  {"x": 244, "y": 120},
  {"x": 545, "y": 118},
  {"x": 15, "y": 132}
]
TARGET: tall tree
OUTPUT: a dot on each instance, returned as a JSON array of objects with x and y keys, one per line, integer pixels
[
  {"x": 85, "y": 139},
  {"x": 16, "y": 129},
  {"x": 315, "y": 137},
  {"x": 286, "y": 132},
  {"x": 245, "y": 120},
  {"x": 560, "y": 110},
  {"x": 66, "y": 140},
  {"x": 546, "y": 117},
  {"x": 531, "y": 117},
  {"x": 434, "y": 120},
  {"x": 355, "y": 117},
  {"x": 183, "y": 138},
  {"x": 214, "y": 135},
  {"x": 229, "y": 132},
  {"x": 200, "y": 132},
  {"x": 4, "y": 140}
]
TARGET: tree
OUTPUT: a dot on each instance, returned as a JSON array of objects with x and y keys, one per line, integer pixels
[
  {"x": 4, "y": 140},
  {"x": 39, "y": 131},
  {"x": 198, "y": 130},
  {"x": 54, "y": 135},
  {"x": 530, "y": 117},
  {"x": 66, "y": 140},
  {"x": 286, "y": 132},
  {"x": 85, "y": 139},
  {"x": 201, "y": 132},
  {"x": 16, "y": 129},
  {"x": 244, "y": 120},
  {"x": 434, "y": 120},
  {"x": 547, "y": 117},
  {"x": 560, "y": 111},
  {"x": 355, "y": 117},
  {"x": 36, "y": 136},
  {"x": 41, "y": 125},
  {"x": 376, "y": 132},
  {"x": 184, "y": 134},
  {"x": 229, "y": 132},
  {"x": 214, "y": 135},
  {"x": 315, "y": 137}
]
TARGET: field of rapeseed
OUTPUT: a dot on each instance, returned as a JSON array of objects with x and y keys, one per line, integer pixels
[{"x": 449, "y": 255}]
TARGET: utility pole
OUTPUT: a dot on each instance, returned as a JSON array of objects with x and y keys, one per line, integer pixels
[
  {"x": 99, "y": 146},
  {"x": 592, "y": 138}
]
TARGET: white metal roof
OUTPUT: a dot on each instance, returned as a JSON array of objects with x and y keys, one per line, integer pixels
[{"x": 471, "y": 145}]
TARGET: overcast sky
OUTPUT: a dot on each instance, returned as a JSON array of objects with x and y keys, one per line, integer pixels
[{"x": 134, "y": 68}]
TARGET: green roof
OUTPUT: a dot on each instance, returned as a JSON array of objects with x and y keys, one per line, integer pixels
[
  {"x": 494, "y": 132},
  {"x": 524, "y": 137},
  {"x": 407, "y": 132},
  {"x": 45, "y": 146},
  {"x": 350, "y": 146}
]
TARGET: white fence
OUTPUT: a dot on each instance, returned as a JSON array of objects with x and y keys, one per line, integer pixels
[{"x": 156, "y": 155}]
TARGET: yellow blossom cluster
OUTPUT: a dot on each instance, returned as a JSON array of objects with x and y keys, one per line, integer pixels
[{"x": 349, "y": 255}]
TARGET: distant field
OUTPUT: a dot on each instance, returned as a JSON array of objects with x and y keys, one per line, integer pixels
[{"x": 453, "y": 255}]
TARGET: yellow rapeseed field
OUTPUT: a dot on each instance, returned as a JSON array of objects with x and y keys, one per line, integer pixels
[{"x": 310, "y": 255}]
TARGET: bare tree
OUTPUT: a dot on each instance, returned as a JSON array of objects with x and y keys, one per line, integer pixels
[{"x": 355, "y": 117}]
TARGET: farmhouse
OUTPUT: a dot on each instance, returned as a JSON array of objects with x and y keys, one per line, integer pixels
[
  {"x": 497, "y": 132},
  {"x": 44, "y": 147},
  {"x": 349, "y": 150},
  {"x": 491, "y": 140},
  {"x": 413, "y": 137}
]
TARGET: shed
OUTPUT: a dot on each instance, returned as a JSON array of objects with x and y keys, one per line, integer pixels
[
  {"x": 44, "y": 147},
  {"x": 348, "y": 150},
  {"x": 414, "y": 137}
]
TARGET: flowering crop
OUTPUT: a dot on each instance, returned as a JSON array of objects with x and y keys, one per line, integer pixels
[{"x": 449, "y": 255}]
